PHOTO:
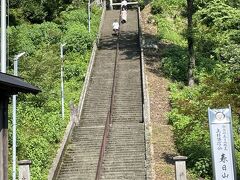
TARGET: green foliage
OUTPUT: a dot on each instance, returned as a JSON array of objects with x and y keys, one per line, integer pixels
[
  {"x": 174, "y": 60},
  {"x": 156, "y": 7},
  {"x": 35, "y": 11},
  {"x": 73, "y": 16},
  {"x": 37, "y": 132},
  {"x": 141, "y": 4},
  {"x": 76, "y": 34},
  {"x": 78, "y": 42},
  {"x": 14, "y": 3},
  {"x": 203, "y": 3},
  {"x": 216, "y": 38},
  {"x": 162, "y": 6},
  {"x": 202, "y": 166},
  {"x": 231, "y": 54},
  {"x": 167, "y": 31},
  {"x": 189, "y": 114},
  {"x": 29, "y": 38},
  {"x": 217, "y": 27},
  {"x": 174, "y": 63},
  {"x": 72, "y": 66},
  {"x": 40, "y": 126},
  {"x": 16, "y": 17},
  {"x": 169, "y": 22}
]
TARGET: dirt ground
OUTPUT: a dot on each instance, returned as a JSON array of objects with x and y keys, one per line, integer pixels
[{"x": 162, "y": 135}]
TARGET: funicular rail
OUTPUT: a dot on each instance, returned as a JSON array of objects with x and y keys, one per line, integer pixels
[
  {"x": 109, "y": 115},
  {"x": 108, "y": 143},
  {"x": 108, "y": 125}
]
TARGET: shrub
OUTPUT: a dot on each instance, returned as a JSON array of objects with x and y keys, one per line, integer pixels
[
  {"x": 40, "y": 126},
  {"x": 189, "y": 114},
  {"x": 175, "y": 63}
]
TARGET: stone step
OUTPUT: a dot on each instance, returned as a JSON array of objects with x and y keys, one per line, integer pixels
[
  {"x": 82, "y": 152},
  {"x": 83, "y": 176},
  {"x": 125, "y": 153},
  {"x": 136, "y": 175}
]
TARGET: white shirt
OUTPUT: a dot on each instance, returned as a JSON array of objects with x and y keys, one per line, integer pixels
[{"x": 115, "y": 25}]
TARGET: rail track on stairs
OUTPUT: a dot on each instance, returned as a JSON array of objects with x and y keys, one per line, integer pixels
[{"x": 108, "y": 143}]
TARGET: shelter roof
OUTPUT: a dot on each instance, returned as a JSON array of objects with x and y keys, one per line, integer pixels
[{"x": 10, "y": 84}]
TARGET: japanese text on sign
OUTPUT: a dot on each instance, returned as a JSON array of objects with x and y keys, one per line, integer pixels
[{"x": 222, "y": 143}]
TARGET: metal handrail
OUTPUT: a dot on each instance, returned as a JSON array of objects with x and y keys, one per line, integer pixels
[
  {"x": 141, "y": 62},
  {"x": 103, "y": 146},
  {"x": 109, "y": 115}
]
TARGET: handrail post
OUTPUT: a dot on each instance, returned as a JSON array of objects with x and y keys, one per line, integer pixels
[
  {"x": 24, "y": 169},
  {"x": 180, "y": 167}
]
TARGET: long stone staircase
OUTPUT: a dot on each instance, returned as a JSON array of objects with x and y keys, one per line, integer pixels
[
  {"x": 125, "y": 154},
  {"x": 82, "y": 153}
]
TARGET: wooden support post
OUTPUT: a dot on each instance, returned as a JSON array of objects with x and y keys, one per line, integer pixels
[
  {"x": 180, "y": 167},
  {"x": 9, "y": 85},
  {"x": 3, "y": 138},
  {"x": 24, "y": 169}
]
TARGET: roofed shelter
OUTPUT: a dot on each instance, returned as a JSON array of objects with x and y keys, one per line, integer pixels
[{"x": 9, "y": 85}]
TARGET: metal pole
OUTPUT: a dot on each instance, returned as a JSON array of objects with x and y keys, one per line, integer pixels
[
  {"x": 3, "y": 36},
  {"x": 3, "y": 121},
  {"x": 24, "y": 169},
  {"x": 14, "y": 129},
  {"x": 111, "y": 6},
  {"x": 89, "y": 16},
  {"x": 62, "y": 74},
  {"x": 15, "y": 63}
]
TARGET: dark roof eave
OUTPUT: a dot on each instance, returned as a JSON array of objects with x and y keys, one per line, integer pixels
[{"x": 14, "y": 84}]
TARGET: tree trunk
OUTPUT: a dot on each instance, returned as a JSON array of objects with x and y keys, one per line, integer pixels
[{"x": 190, "y": 43}]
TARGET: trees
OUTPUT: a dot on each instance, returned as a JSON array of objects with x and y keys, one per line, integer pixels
[
  {"x": 36, "y": 11},
  {"x": 40, "y": 126},
  {"x": 213, "y": 37},
  {"x": 217, "y": 75},
  {"x": 190, "y": 39}
]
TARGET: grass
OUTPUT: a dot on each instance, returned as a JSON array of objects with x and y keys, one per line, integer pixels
[{"x": 168, "y": 30}]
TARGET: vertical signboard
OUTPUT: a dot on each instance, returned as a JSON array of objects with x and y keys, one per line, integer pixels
[{"x": 222, "y": 144}]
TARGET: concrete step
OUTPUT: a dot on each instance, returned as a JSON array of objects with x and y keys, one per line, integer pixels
[
  {"x": 125, "y": 153},
  {"x": 82, "y": 153}
]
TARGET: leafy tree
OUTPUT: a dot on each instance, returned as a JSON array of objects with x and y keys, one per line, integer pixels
[
  {"x": 14, "y": 4},
  {"x": 215, "y": 31},
  {"x": 190, "y": 39},
  {"x": 40, "y": 126},
  {"x": 34, "y": 10}
]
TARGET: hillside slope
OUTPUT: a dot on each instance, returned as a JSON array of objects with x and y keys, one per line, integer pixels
[{"x": 162, "y": 135}]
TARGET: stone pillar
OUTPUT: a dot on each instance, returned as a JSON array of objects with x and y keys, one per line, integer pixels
[
  {"x": 24, "y": 170},
  {"x": 180, "y": 167}
]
